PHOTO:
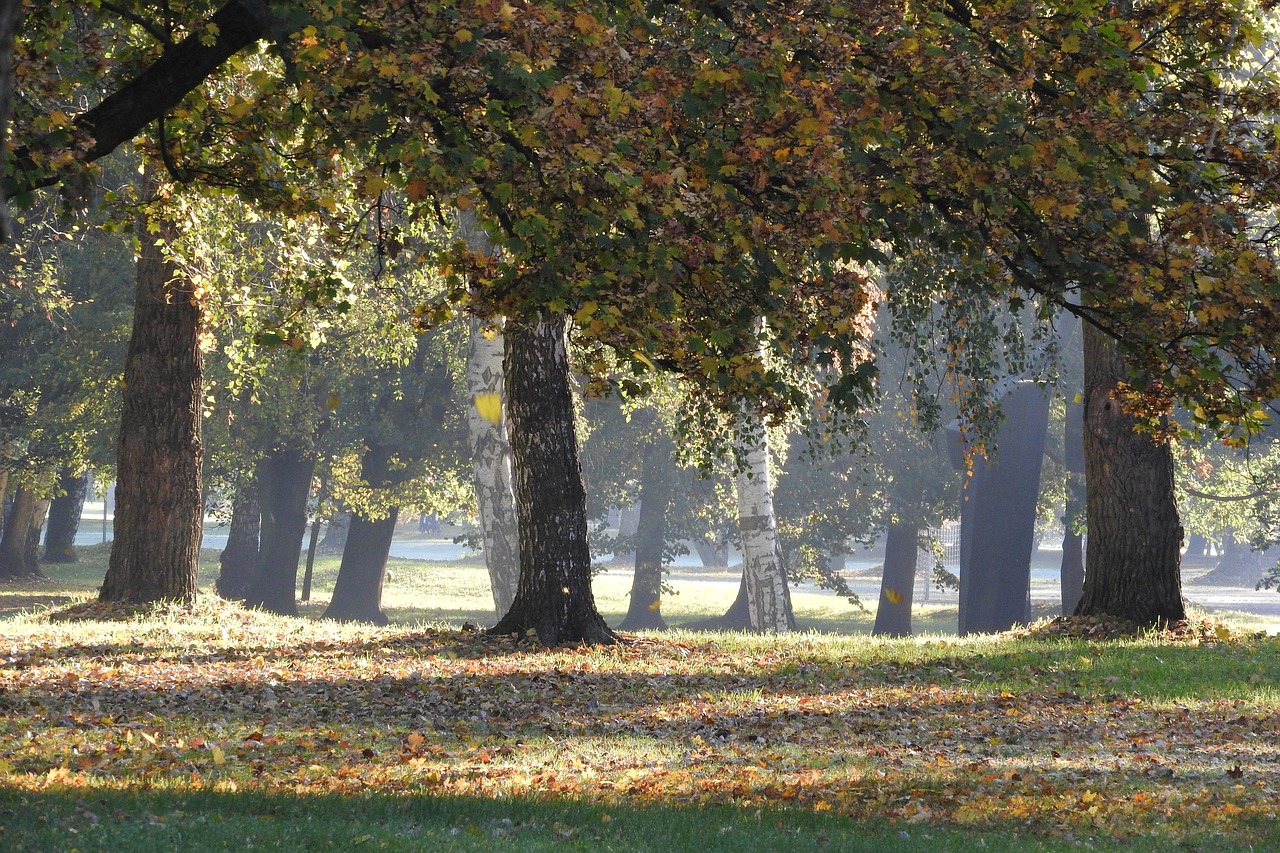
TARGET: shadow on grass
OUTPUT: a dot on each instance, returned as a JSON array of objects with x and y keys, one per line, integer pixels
[{"x": 122, "y": 821}]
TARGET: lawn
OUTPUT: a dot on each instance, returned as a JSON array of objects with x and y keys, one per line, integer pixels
[{"x": 221, "y": 727}]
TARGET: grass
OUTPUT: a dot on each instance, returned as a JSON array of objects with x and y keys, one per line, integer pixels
[{"x": 220, "y": 727}]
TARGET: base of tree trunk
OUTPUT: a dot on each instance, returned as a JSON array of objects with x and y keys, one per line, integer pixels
[
  {"x": 644, "y": 620},
  {"x": 736, "y": 618}
]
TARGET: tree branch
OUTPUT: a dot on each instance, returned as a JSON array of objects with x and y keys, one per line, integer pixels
[{"x": 158, "y": 89}]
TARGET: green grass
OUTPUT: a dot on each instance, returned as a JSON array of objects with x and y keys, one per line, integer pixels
[
  {"x": 120, "y": 821},
  {"x": 223, "y": 728}
]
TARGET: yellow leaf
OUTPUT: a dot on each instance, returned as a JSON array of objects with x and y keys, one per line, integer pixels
[
  {"x": 463, "y": 202},
  {"x": 219, "y": 757},
  {"x": 640, "y": 357},
  {"x": 893, "y": 595},
  {"x": 489, "y": 405},
  {"x": 462, "y": 36},
  {"x": 657, "y": 605}
]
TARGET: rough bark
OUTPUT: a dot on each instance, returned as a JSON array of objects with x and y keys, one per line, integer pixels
[
  {"x": 1132, "y": 565},
  {"x": 898, "y": 583},
  {"x": 64, "y": 517},
  {"x": 645, "y": 609},
  {"x": 768, "y": 594},
  {"x": 998, "y": 519},
  {"x": 239, "y": 559},
  {"x": 357, "y": 593},
  {"x": 554, "y": 598},
  {"x": 491, "y": 469},
  {"x": 18, "y": 546},
  {"x": 284, "y": 484},
  {"x": 159, "y": 512}
]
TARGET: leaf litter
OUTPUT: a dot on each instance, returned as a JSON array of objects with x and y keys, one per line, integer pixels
[{"x": 1022, "y": 728}]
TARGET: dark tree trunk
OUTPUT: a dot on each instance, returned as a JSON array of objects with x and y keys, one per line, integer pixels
[
  {"x": 554, "y": 597},
  {"x": 1239, "y": 565},
  {"x": 335, "y": 533},
  {"x": 19, "y": 545},
  {"x": 898, "y": 584},
  {"x": 1197, "y": 546},
  {"x": 64, "y": 517},
  {"x": 238, "y": 561},
  {"x": 4, "y": 499},
  {"x": 1072, "y": 578},
  {"x": 10, "y": 15},
  {"x": 1132, "y": 568},
  {"x": 357, "y": 593},
  {"x": 159, "y": 498},
  {"x": 711, "y": 556},
  {"x": 997, "y": 521},
  {"x": 736, "y": 618},
  {"x": 284, "y": 484},
  {"x": 645, "y": 609}
]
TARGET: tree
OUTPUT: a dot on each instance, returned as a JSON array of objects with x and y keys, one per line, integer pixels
[
  {"x": 644, "y": 611},
  {"x": 159, "y": 497},
  {"x": 763, "y": 571},
  {"x": 683, "y": 159},
  {"x": 1135, "y": 535},
  {"x": 491, "y": 465},
  {"x": 21, "y": 537},
  {"x": 998, "y": 518},
  {"x": 553, "y": 599},
  {"x": 64, "y": 516}
]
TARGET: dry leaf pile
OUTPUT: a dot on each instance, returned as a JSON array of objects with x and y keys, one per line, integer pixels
[{"x": 934, "y": 731}]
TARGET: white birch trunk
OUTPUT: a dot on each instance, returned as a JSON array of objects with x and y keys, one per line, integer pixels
[
  {"x": 768, "y": 595},
  {"x": 490, "y": 450},
  {"x": 491, "y": 470}
]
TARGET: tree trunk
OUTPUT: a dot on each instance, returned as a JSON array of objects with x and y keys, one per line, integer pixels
[
  {"x": 554, "y": 598},
  {"x": 768, "y": 594},
  {"x": 335, "y": 533},
  {"x": 10, "y": 15},
  {"x": 17, "y": 549},
  {"x": 898, "y": 584},
  {"x": 284, "y": 484},
  {"x": 64, "y": 517},
  {"x": 491, "y": 467},
  {"x": 628, "y": 527},
  {"x": 4, "y": 495},
  {"x": 239, "y": 559},
  {"x": 357, "y": 593},
  {"x": 711, "y": 556},
  {"x": 1072, "y": 578},
  {"x": 159, "y": 513},
  {"x": 1239, "y": 565},
  {"x": 645, "y": 609},
  {"x": 1132, "y": 568}
]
